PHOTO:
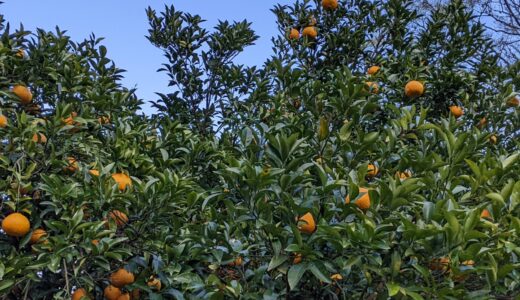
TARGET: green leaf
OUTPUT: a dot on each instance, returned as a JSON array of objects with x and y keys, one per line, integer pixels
[
  {"x": 295, "y": 274},
  {"x": 164, "y": 154},
  {"x": 276, "y": 261},
  {"x": 317, "y": 272},
  {"x": 393, "y": 288},
  {"x": 5, "y": 284},
  {"x": 510, "y": 160},
  {"x": 497, "y": 198},
  {"x": 473, "y": 166}
]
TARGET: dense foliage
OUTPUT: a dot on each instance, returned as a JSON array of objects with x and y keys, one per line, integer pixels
[{"x": 375, "y": 154}]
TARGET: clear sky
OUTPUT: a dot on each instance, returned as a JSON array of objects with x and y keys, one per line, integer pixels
[{"x": 124, "y": 25}]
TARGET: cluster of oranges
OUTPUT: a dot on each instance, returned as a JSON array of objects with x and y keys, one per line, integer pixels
[
  {"x": 117, "y": 289},
  {"x": 309, "y": 31}
]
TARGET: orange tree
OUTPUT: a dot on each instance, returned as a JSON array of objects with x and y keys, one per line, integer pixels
[{"x": 374, "y": 155}]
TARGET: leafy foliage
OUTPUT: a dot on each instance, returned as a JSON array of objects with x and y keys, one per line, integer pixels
[{"x": 221, "y": 176}]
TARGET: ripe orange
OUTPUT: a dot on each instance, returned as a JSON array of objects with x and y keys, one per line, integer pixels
[
  {"x": 16, "y": 225},
  {"x": 3, "y": 121},
  {"x": 79, "y": 293},
  {"x": 155, "y": 283},
  {"x": 513, "y": 102},
  {"x": 363, "y": 199},
  {"x": 297, "y": 258},
  {"x": 104, "y": 120},
  {"x": 39, "y": 138},
  {"x": 493, "y": 139},
  {"x": 329, "y": 4},
  {"x": 122, "y": 180},
  {"x": 414, "y": 89},
  {"x": 95, "y": 242},
  {"x": 37, "y": 235},
  {"x": 336, "y": 277},
  {"x": 486, "y": 214},
  {"x": 70, "y": 120},
  {"x": 440, "y": 264},
  {"x": 456, "y": 111},
  {"x": 125, "y": 296},
  {"x": 372, "y": 87},
  {"x": 373, "y": 70},
  {"x": 468, "y": 263},
  {"x": 72, "y": 165},
  {"x": 20, "y": 53},
  {"x": 94, "y": 172},
  {"x": 111, "y": 292},
  {"x": 237, "y": 262},
  {"x": 23, "y": 94},
  {"x": 119, "y": 217},
  {"x": 482, "y": 122},
  {"x": 306, "y": 223},
  {"x": 121, "y": 277},
  {"x": 403, "y": 175},
  {"x": 310, "y": 32},
  {"x": 372, "y": 170},
  {"x": 294, "y": 34}
]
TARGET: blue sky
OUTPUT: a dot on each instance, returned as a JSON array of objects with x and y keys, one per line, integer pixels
[{"x": 123, "y": 24}]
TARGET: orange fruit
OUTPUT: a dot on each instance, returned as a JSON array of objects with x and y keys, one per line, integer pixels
[
  {"x": 403, "y": 175},
  {"x": 482, "y": 122},
  {"x": 307, "y": 223},
  {"x": 329, "y": 4},
  {"x": 119, "y": 217},
  {"x": 39, "y": 138},
  {"x": 468, "y": 263},
  {"x": 3, "y": 121},
  {"x": 493, "y": 139},
  {"x": 456, "y": 111},
  {"x": 95, "y": 242},
  {"x": 79, "y": 294},
  {"x": 23, "y": 93},
  {"x": 237, "y": 262},
  {"x": 72, "y": 165},
  {"x": 122, "y": 180},
  {"x": 513, "y": 102},
  {"x": 372, "y": 170},
  {"x": 93, "y": 172},
  {"x": 414, "y": 89},
  {"x": 20, "y": 53},
  {"x": 125, "y": 296},
  {"x": 121, "y": 277},
  {"x": 111, "y": 292},
  {"x": 37, "y": 235},
  {"x": 310, "y": 32},
  {"x": 104, "y": 120},
  {"x": 294, "y": 34},
  {"x": 16, "y": 225},
  {"x": 155, "y": 283},
  {"x": 70, "y": 120},
  {"x": 373, "y": 70},
  {"x": 297, "y": 258},
  {"x": 485, "y": 214},
  {"x": 363, "y": 199},
  {"x": 372, "y": 87},
  {"x": 440, "y": 264},
  {"x": 336, "y": 277}
]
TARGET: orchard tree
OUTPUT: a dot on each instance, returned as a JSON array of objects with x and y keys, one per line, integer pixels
[{"x": 375, "y": 154}]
